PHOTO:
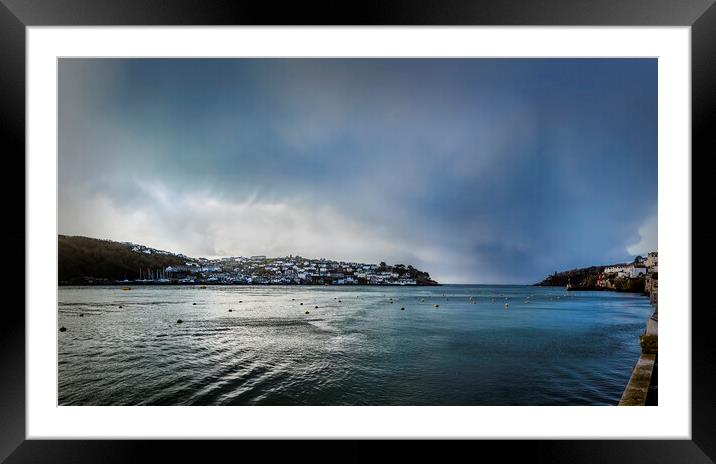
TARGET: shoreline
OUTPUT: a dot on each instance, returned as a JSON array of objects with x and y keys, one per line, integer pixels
[{"x": 227, "y": 284}]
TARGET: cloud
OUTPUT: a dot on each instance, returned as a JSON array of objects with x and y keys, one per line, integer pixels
[
  {"x": 648, "y": 237},
  {"x": 199, "y": 224},
  {"x": 474, "y": 170}
]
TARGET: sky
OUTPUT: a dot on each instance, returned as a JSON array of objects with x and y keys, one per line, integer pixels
[{"x": 474, "y": 170}]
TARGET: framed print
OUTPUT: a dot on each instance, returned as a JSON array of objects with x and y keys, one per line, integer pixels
[{"x": 435, "y": 221}]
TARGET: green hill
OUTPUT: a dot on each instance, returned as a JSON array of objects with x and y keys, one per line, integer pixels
[{"x": 82, "y": 259}]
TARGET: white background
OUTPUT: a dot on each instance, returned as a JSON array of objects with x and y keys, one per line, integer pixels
[{"x": 672, "y": 418}]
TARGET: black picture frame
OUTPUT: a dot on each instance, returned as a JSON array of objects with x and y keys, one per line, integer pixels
[{"x": 16, "y": 15}]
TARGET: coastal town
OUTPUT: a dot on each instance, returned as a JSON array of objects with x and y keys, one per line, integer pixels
[
  {"x": 646, "y": 267},
  {"x": 290, "y": 270},
  {"x": 85, "y": 260},
  {"x": 638, "y": 276}
]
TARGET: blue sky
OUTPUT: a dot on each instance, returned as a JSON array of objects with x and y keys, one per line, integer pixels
[{"x": 475, "y": 170}]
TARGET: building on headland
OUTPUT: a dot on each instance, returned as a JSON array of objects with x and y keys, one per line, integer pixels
[
  {"x": 618, "y": 276},
  {"x": 640, "y": 267}
]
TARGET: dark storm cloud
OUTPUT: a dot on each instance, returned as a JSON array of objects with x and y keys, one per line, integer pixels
[{"x": 476, "y": 170}]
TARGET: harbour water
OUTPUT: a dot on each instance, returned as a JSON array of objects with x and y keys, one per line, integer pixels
[{"x": 255, "y": 345}]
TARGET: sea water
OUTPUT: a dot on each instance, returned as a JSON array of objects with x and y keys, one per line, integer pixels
[{"x": 256, "y": 345}]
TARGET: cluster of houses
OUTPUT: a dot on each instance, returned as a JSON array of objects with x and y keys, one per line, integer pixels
[
  {"x": 287, "y": 271},
  {"x": 646, "y": 267}
]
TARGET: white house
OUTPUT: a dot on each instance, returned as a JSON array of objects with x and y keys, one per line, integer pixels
[
  {"x": 616, "y": 269},
  {"x": 626, "y": 270}
]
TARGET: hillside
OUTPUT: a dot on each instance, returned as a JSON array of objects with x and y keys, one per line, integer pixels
[
  {"x": 84, "y": 260},
  {"x": 588, "y": 278},
  {"x": 81, "y": 258},
  {"x": 582, "y": 277}
]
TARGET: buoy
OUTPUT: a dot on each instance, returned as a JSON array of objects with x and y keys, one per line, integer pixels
[
  {"x": 62, "y": 329},
  {"x": 301, "y": 303},
  {"x": 507, "y": 305},
  {"x": 179, "y": 321}
]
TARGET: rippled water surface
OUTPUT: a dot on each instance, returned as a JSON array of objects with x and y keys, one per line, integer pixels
[{"x": 356, "y": 348}]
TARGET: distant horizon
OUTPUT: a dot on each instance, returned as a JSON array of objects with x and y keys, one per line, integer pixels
[{"x": 474, "y": 169}]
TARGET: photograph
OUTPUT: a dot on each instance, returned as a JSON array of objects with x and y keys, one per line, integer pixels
[
  {"x": 357, "y": 231},
  {"x": 435, "y": 222}
]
